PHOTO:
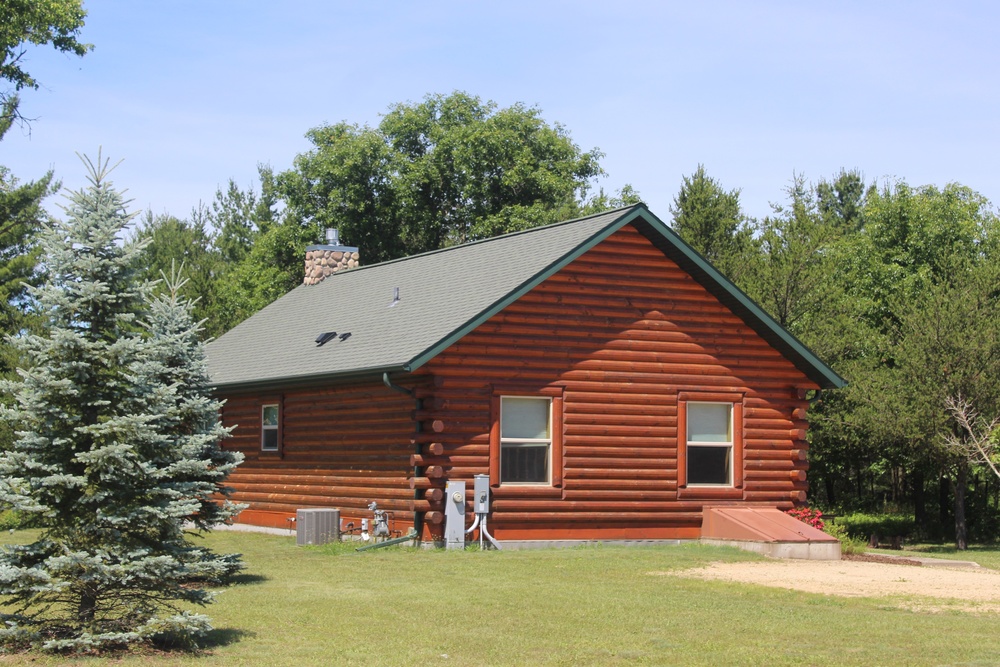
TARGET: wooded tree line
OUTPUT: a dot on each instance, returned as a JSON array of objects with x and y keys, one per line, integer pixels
[{"x": 893, "y": 285}]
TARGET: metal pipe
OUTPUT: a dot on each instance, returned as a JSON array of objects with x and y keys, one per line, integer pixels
[
  {"x": 418, "y": 517},
  {"x": 388, "y": 383},
  {"x": 473, "y": 526},
  {"x": 412, "y": 534},
  {"x": 484, "y": 532}
]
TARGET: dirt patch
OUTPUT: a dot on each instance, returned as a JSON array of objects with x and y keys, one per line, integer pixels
[
  {"x": 920, "y": 588},
  {"x": 875, "y": 558}
]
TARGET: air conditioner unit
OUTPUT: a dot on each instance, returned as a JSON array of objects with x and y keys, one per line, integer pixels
[{"x": 317, "y": 526}]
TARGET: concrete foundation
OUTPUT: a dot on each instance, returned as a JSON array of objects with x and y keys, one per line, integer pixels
[{"x": 801, "y": 550}]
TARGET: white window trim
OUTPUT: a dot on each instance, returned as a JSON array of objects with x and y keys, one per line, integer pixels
[
  {"x": 264, "y": 428},
  {"x": 730, "y": 445},
  {"x": 515, "y": 442}
]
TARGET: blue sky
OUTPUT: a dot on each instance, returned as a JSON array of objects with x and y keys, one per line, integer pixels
[{"x": 192, "y": 93}]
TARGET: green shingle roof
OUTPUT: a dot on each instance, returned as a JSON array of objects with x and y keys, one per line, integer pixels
[{"x": 443, "y": 295}]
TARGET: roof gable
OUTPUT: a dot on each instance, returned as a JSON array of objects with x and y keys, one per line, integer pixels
[{"x": 443, "y": 295}]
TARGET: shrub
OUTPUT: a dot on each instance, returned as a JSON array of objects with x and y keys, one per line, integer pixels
[
  {"x": 848, "y": 544},
  {"x": 11, "y": 520},
  {"x": 863, "y": 526}
]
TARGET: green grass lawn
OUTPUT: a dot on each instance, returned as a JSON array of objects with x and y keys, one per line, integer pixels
[
  {"x": 583, "y": 606},
  {"x": 987, "y": 555}
]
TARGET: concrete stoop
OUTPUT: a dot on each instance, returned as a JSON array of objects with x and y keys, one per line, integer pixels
[{"x": 770, "y": 532}]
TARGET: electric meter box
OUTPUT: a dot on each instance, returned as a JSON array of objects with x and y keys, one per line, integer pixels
[{"x": 481, "y": 494}]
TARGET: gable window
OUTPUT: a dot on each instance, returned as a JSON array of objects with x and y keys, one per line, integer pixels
[
  {"x": 525, "y": 439},
  {"x": 709, "y": 442},
  {"x": 270, "y": 427}
]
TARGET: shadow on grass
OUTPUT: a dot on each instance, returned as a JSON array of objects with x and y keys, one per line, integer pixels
[
  {"x": 246, "y": 579},
  {"x": 220, "y": 637},
  {"x": 950, "y": 548}
]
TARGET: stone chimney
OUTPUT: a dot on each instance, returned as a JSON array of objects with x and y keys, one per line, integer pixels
[{"x": 322, "y": 260}]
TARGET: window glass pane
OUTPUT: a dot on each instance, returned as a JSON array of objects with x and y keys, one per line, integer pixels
[
  {"x": 708, "y": 465},
  {"x": 524, "y": 418},
  {"x": 709, "y": 422},
  {"x": 269, "y": 439},
  {"x": 270, "y": 416},
  {"x": 524, "y": 463}
]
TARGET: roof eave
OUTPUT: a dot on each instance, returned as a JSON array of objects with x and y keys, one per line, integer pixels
[
  {"x": 304, "y": 381},
  {"x": 697, "y": 266},
  {"x": 756, "y": 317}
]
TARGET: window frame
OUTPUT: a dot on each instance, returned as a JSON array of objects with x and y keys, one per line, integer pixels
[
  {"x": 734, "y": 489},
  {"x": 554, "y": 395},
  {"x": 278, "y": 428}
]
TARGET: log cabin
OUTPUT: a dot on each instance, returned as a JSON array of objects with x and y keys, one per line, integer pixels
[{"x": 611, "y": 382}]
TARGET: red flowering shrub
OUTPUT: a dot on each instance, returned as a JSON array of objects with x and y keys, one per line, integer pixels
[{"x": 807, "y": 515}]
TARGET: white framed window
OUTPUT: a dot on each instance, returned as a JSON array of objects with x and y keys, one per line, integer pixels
[
  {"x": 270, "y": 427},
  {"x": 525, "y": 440},
  {"x": 710, "y": 444}
]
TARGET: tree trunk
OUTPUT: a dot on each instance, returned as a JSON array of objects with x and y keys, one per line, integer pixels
[
  {"x": 87, "y": 609},
  {"x": 919, "y": 501},
  {"x": 961, "y": 530},
  {"x": 831, "y": 499},
  {"x": 943, "y": 485}
]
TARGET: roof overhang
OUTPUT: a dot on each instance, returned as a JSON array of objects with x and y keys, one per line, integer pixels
[{"x": 668, "y": 242}]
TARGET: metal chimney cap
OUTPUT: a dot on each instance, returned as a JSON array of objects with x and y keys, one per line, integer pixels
[{"x": 332, "y": 237}]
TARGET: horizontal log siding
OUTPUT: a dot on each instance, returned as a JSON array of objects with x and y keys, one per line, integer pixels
[
  {"x": 342, "y": 447},
  {"x": 621, "y": 330}
]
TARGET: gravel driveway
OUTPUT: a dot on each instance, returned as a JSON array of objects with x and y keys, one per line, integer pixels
[{"x": 923, "y": 588}]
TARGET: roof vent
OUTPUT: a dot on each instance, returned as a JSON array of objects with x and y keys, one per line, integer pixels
[
  {"x": 326, "y": 337},
  {"x": 395, "y": 297},
  {"x": 332, "y": 237}
]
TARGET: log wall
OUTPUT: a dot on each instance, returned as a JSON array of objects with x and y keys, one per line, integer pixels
[
  {"x": 619, "y": 333},
  {"x": 342, "y": 446}
]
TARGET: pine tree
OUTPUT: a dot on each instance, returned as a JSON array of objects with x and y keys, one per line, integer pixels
[
  {"x": 116, "y": 450},
  {"x": 710, "y": 219},
  {"x": 21, "y": 214}
]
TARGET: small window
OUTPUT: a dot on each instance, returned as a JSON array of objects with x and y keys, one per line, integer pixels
[
  {"x": 269, "y": 427},
  {"x": 525, "y": 440},
  {"x": 710, "y": 444}
]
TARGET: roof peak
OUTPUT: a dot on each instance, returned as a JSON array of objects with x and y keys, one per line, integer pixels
[
  {"x": 610, "y": 212},
  {"x": 447, "y": 293}
]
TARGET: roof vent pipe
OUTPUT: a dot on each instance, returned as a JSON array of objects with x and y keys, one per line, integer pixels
[{"x": 332, "y": 237}]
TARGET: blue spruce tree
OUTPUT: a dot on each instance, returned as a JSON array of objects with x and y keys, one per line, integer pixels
[{"x": 117, "y": 452}]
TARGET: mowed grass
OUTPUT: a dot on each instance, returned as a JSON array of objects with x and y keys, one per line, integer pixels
[
  {"x": 580, "y": 606},
  {"x": 987, "y": 555}
]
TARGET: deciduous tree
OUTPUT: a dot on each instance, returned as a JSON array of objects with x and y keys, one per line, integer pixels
[
  {"x": 25, "y": 23},
  {"x": 450, "y": 169}
]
